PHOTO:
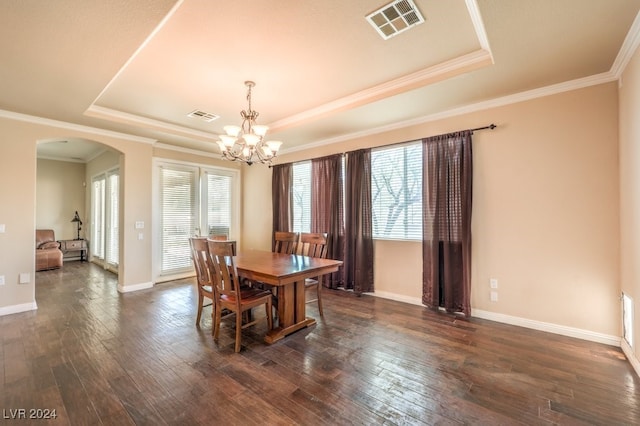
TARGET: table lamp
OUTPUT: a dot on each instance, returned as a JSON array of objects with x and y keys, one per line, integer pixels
[{"x": 76, "y": 219}]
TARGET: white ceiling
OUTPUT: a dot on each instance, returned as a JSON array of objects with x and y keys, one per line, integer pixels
[{"x": 322, "y": 72}]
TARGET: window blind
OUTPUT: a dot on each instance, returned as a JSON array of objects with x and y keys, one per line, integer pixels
[
  {"x": 396, "y": 192},
  {"x": 178, "y": 217},
  {"x": 218, "y": 203},
  {"x": 112, "y": 251},
  {"x": 301, "y": 187},
  {"x": 97, "y": 218}
]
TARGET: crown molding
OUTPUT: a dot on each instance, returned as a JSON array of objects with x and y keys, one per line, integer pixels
[
  {"x": 161, "y": 145},
  {"x": 146, "y": 123},
  {"x": 478, "y": 25},
  {"x": 66, "y": 160},
  {"x": 430, "y": 75},
  {"x": 71, "y": 126},
  {"x": 144, "y": 44},
  {"x": 480, "y": 106},
  {"x": 629, "y": 46}
]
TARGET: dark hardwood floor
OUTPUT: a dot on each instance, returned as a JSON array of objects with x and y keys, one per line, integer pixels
[{"x": 99, "y": 357}]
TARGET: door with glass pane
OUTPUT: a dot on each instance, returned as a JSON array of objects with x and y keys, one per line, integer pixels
[
  {"x": 105, "y": 219},
  {"x": 216, "y": 204},
  {"x": 178, "y": 205},
  {"x": 194, "y": 201}
]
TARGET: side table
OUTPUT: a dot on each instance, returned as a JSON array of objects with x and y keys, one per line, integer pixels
[{"x": 70, "y": 247}]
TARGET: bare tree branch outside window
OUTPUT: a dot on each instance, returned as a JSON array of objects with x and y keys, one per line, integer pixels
[{"x": 397, "y": 192}]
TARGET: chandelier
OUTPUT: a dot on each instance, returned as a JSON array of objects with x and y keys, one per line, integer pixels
[{"x": 246, "y": 142}]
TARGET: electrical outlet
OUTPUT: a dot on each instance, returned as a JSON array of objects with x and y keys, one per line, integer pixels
[
  {"x": 1, "y": 279},
  {"x": 493, "y": 282},
  {"x": 494, "y": 296}
]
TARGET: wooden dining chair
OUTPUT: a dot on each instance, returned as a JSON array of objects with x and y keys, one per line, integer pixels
[
  {"x": 226, "y": 246},
  {"x": 314, "y": 245},
  {"x": 199, "y": 254},
  {"x": 228, "y": 292},
  {"x": 285, "y": 242}
]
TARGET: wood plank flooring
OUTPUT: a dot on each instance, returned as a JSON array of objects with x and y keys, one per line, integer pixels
[{"x": 99, "y": 357}]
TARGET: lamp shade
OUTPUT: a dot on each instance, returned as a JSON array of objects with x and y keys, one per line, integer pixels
[{"x": 76, "y": 218}]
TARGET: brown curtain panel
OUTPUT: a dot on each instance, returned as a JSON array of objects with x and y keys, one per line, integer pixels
[
  {"x": 358, "y": 262},
  {"x": 327, "y": 207},
  {"x": 282, "y": 198},
  {"x": 446, "y": 246}
]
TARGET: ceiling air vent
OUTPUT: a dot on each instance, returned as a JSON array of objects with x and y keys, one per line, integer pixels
[
  {"x": 204, "y": 116},
  {"x": 394, "y": 18}
]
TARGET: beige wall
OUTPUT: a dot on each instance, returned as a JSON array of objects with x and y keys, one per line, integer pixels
[
  {"x": 630, "y": 189},
  {"x": 545, "y": 215},
  {"x": 18, "y": 139},
  {"x": 257, "y": 215},
  {"x": 545, "y": 220},
  {"x": 17, "y": 198},
  {"x": 60, "y": 192}
]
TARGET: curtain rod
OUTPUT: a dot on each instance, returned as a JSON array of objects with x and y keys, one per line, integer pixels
[{"x": 490, "y": 126}]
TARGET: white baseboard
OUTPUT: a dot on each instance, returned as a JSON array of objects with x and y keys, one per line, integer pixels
[
  {"x": 15, "y": 309},
  {"x": 522, "y": 322},
  {"x": 134, "y": 287},
  {"x": 398, "y": 297},
  {"x": 633, "y": 360},
  {"x": 548, "y": 327}
]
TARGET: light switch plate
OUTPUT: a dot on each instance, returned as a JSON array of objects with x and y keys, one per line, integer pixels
[
  {"x": 25, "y": 278},
  {"x": 1, "y": 228},
  {"x": 139, "y": 224},
  {"x": 1, "y": 279}
]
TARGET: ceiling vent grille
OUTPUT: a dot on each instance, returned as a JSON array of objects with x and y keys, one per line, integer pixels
[
  {"x": 395, "y": 18},
  {"x": 204, "y": 116}
]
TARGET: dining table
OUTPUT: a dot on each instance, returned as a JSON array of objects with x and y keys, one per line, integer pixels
[{"x": 288, "y": 273}]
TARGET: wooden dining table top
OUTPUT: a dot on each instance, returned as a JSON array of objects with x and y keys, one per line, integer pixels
[
  {"x": 288, "y": 272},
  {"x": 280, "y": 269}
]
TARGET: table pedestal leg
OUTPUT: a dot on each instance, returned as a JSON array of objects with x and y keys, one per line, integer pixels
[{"x": 291, "y": 312}]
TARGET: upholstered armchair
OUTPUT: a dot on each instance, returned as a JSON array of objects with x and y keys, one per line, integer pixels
[{"x": 48, "y": 253}]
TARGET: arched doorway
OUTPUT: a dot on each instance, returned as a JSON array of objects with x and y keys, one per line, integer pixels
[{"x": 83, "y": 176}]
